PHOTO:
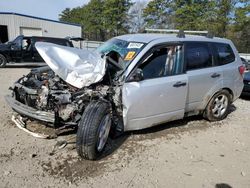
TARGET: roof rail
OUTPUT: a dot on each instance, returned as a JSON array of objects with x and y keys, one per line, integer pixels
[{"x": 180, "y": 33}]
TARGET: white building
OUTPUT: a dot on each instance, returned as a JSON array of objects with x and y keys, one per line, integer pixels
[{"x": 14, "y": 24}]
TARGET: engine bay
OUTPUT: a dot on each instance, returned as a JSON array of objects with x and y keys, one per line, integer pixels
[{"x": 45, "y": 91}]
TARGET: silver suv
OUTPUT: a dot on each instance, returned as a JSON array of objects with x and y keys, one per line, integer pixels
[{"x": 131, "y": 82}]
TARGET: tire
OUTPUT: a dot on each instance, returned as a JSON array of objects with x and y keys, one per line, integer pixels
[
  {"x": 218, "y": 107},
  {"x": 3, "y": 61},
  {"x": 93, "y": 130}
]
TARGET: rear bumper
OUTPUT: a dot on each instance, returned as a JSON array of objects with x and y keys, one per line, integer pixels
[{"x": 29, "y": 111}]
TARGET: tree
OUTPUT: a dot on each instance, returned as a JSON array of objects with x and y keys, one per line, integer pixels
[
  {"x": 241, "y": 27},
  {"x": 100, "y": 19},
  {"x": 65, "y": 15},
  {"x": 93, "y": 23},
  {"x": 71, "y": 15},
  {"x": 194, "y": 15},
  {"x": 103, "y": 19},
  {"x": 158, "y": 14},
  {"x": 136, "y": 22},
  {"x": 223, "y": 9},
  {"x": 116, "y": 16}
]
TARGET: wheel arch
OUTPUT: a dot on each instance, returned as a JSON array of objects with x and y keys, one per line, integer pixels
[
  {"x": 211, "y": 96},
  {"x": 6, "y": 57},
  {"x": 230, "y": 92},
  {"x": 207, "y": 113}
]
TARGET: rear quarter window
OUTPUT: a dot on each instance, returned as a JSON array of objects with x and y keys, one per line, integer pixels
[{"x": 224, "y": 53}]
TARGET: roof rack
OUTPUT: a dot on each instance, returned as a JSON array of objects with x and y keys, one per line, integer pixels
[{"x": 181, "y": 33}]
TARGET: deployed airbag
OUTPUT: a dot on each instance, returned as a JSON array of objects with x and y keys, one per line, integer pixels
[{"x": 78, "y": 67}]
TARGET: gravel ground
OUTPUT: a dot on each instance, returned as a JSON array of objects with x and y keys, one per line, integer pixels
[{"x": 186, "y": 153}]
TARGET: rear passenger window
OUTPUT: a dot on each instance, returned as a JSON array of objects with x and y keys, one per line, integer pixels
[
  {"x": 198, "y": 56},
  {"x": 225, "y": 53}
]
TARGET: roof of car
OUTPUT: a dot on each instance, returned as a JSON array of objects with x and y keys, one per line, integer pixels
[
  {"x": 148, "y": 37},
  {"x": 41, "y": 37}
]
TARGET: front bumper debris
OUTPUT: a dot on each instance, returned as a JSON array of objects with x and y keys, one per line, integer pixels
[
  {"x": 21, "y": 125},
  {"x": 30, "y": 112}
]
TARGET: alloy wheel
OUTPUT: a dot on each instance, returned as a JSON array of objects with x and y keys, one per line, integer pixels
[{"x": 220, "y": 105}]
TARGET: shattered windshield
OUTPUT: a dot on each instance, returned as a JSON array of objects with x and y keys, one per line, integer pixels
[{"x": 125, "y": 50}]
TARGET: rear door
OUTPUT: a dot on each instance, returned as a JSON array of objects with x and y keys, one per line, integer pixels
[
  {"x": 204, "y": 77},
  {"x": 161, "y": 95}
]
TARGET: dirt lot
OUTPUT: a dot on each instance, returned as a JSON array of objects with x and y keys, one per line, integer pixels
[{"x": 187, "y": 153}]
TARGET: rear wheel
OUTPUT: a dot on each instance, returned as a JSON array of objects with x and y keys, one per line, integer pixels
[
  {"x": 93, "y": 130},
  {"x": 3, "y": 61},
  {"x": 218, "y": 107}
]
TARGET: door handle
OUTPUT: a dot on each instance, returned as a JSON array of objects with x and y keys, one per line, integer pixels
[
  {"x": 215, "y": 75},
  {"x": 179, "y": 84}
]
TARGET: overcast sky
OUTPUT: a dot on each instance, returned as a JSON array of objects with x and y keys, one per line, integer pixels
[{"x": 41, "y": 8}]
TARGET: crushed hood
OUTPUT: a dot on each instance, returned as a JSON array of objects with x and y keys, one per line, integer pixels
[{"x": 78, "y": 67}]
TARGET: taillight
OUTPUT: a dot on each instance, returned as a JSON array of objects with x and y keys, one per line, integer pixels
[{"x": 242, "y": 70}]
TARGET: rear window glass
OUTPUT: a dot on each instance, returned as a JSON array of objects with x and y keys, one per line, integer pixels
[
  {"x": 198, "y": 56},
  {"x": 225, "y": 53},
  {"x": 61, "y": 42}
]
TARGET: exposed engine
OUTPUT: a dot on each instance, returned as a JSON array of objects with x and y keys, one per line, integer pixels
[{"x": 45, "y": 91}]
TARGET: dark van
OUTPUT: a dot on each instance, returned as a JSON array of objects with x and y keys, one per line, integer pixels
[{"x": 22, "y": 49}]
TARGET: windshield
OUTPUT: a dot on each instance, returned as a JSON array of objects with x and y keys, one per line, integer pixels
[{"x": 125, "y": 50}]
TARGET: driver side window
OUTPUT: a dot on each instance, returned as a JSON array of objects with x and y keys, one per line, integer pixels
[
  {"x": 26, "y": 44},
  {"x": 163, "y": 61}
]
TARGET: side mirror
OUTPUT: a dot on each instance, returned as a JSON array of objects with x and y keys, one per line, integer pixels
[
  {"x": 12, "y": 45},
  {"x": 136, "y": 76}
]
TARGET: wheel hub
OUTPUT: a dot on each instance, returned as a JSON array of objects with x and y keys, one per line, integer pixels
[
  {"x": 220, "y": 105},
  {"x": 103, "y": 132}
]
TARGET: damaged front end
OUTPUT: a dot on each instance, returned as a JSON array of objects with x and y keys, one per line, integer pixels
[
  {"x": 79, "y": 90},
  {"x": 43, "y": 96},
  {"x": 59, "y": 93}
]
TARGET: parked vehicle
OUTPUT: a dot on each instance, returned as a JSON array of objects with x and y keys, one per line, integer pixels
[
  {"x": 246, "y": 63},
  {"x": 130, "y": 82},
  {"x": 22, "y": 49},
  {"x": 246, "y": 88}
]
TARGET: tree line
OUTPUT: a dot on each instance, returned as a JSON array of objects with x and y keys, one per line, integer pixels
[{"x": 103, "y": 19}]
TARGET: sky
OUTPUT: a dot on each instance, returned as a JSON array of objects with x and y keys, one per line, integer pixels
[{"x": 49, "y": 9}]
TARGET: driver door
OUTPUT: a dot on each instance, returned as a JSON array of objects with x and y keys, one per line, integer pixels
[
  {"x": 16, "y": 49},
  {"x": 160, "y": 95},
  {"x": 27, "y": 53}
]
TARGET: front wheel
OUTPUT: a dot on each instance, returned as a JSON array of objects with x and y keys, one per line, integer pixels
[
  {"x": 3, "y": 61},
  {"x": 93, "y": 130},
  {"x": 218, "y": 107}
]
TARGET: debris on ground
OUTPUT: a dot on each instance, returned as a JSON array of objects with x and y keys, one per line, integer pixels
[{"x": 22, "y": 125}]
